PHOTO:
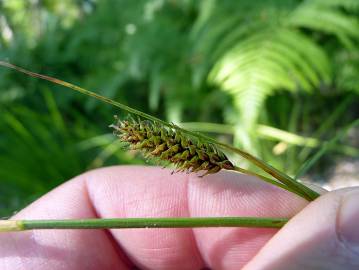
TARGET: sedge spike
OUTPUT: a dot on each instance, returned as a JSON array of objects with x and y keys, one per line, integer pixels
[{"x": 170, "y": 145}]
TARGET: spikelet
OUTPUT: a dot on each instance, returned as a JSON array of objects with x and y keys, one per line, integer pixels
[{"x": 169, "y": 144}]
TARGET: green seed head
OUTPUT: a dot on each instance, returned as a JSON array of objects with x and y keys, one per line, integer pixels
[{"x": 169, "y": 144}]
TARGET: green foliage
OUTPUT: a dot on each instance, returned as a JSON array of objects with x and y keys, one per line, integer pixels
[
  {"x": 270, "y": 48},
  {"x": 41, "y": 149},
  {"x": 28, "y": 140},
  {"x": 284, "y": 64}
]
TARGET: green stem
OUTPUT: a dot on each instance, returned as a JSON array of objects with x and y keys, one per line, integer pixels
[
  {"x": 127, "y": 223},
  {"x": 266, "y": 179},
  {"x": 304, "y": 191},
  {"x": 301, "y": 189}
]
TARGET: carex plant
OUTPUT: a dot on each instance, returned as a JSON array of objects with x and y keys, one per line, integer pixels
[
  {"x": 169, "y": 145},
  {"x": 172, "y": 146},
  {"x": 186, "y": 150}
]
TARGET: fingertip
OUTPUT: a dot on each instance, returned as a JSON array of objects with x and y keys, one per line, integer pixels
[{"x": 314, "y": 237}]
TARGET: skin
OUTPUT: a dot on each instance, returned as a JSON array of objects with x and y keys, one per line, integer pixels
[{"x": 315, "y": 238}]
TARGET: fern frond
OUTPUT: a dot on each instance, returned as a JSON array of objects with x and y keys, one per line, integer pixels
[
  {"x": 253, "y": 55},
  {"x": 265, "y": 62}
]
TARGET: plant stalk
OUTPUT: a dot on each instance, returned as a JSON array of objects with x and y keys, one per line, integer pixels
[
  {"x": 266, "y": 179},
  {"x": 300, "y": 189},
  {"x": 128, "y": 223}
]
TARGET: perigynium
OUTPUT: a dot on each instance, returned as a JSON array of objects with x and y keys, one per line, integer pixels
[{"x": 170, "y": 145}]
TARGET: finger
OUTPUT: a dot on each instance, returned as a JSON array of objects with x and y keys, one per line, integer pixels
[
  {"x": 146, "y": 192},
  {"x": 60, "y": 249},
  {"x": 324, "y": 235},
  {"x": 232, "y": 194},
  {"x": 152, "y": 192},
  {"x": 136, "y": 191}
]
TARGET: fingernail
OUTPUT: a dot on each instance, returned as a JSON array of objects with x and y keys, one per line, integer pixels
[{"x": 348, "y": 223}]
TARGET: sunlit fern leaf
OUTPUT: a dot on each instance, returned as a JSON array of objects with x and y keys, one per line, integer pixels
[
  {"x": 269, "y": 50},
  {"x": 265, "y": 62}
]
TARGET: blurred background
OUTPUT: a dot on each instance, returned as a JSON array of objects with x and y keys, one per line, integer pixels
[{"x": 279, "y": 79}]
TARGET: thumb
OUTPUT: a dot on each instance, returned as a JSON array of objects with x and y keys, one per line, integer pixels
[{"x": 324, "y": 235}]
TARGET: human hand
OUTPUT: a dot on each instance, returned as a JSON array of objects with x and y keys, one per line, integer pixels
[{"x": 317, "y": 237}]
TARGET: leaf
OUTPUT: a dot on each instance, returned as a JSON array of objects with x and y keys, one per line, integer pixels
[{"x": 268, "y": 48}]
